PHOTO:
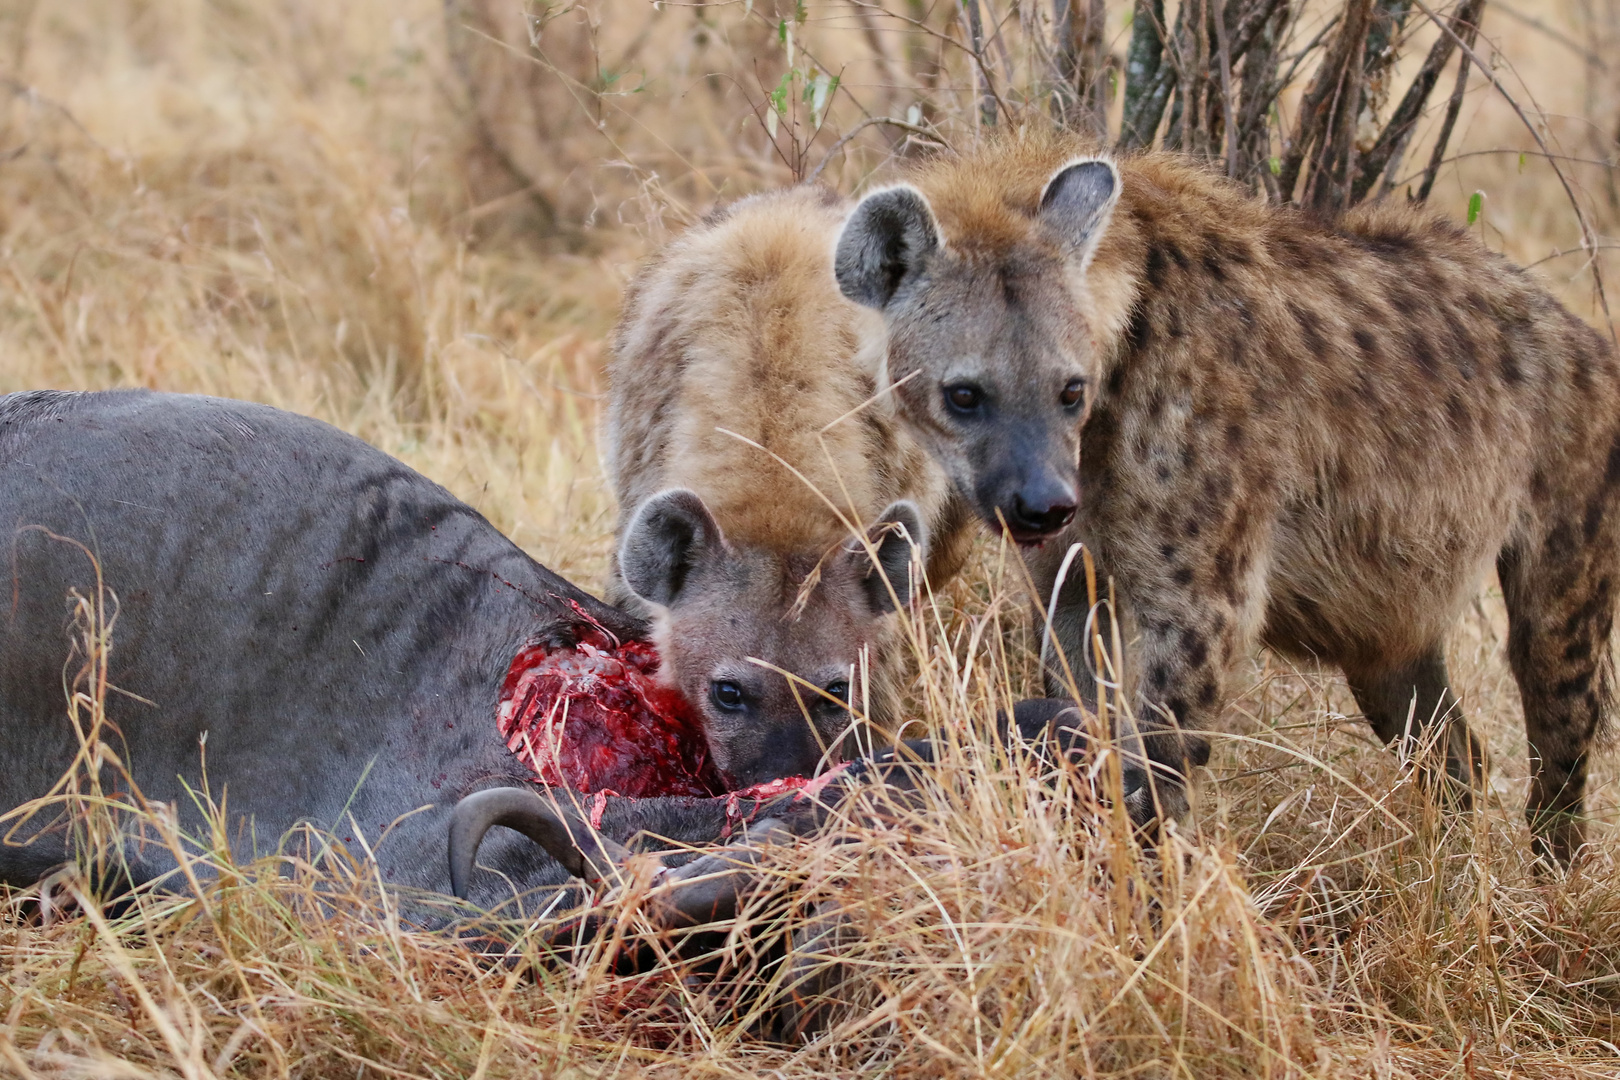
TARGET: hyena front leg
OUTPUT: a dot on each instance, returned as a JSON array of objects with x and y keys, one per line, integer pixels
[
  {"x": 1069, "y": 660},
  {"x": 1187, "y": 637},
  {"x": 1406, "y": 701}
]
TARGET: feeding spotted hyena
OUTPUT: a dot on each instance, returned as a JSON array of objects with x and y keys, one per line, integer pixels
[
  {"x": 742, "y": 551},
  {"x": 1269, "y": 427}
]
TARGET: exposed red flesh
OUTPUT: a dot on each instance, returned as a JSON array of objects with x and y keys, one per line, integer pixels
[{"x": 595, "y": 718}]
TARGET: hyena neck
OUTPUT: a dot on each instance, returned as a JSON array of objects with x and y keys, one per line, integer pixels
[{"x": 1113, "y": 285}]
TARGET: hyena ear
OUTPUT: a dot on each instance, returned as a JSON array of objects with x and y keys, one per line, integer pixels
[
  {"x": 886, "y": 239},
  {"x": 897, "y": 530},
  {"x": 1077, "y": 203},
  {"x": 670, "y": 534}
]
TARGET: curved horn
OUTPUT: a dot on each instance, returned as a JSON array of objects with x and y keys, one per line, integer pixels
[
  {"x": 582, "y": 851},
  {"x": 711, "y": 888}
]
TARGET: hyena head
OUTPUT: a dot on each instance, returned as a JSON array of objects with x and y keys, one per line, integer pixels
[
  {"x": 730, "y": 619},
  {"x": 989, "y": 348}
]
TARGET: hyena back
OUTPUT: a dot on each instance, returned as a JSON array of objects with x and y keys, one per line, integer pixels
[
  {"x": 745, "y": 437},
  {"x": 1309, "y": 433}
]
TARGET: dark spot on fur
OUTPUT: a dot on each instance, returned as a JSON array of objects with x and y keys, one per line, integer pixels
[
  {"x": 1116, "y": 376},
  {"x": 1191, "y": 528},
  {"x": 1224, "y": 566},
  {"x": 1138, "y": 334},
  {"x": 1611, "y": 472},
  {"x": 1574, "y": 685},
  {"x": 1561, "y": 542},
  {"x": 1310, "y": 327},
  {"x": 1404, "y": 302},
  {"x": 1163, "y": 473},
  {"x": 1457, "y": 412},
  {"x": 1178, "y": 709},
  {"x": 1582, "y": 616},
  {"x": 1578, "y": 650},
  {"x": 1206, "y": 693},
  {"x": 1366, "y": 342},
  {"x": 1158, "y": 677},
  {"x": 1594, "y": 518},
  {"x": 1168, "y": 552},
  {"x": 1423, "y": 352},
  {"x": 1512, "y": 374},
  {"x": 1538, "y": 484},
  {"x": 1183, "y": 576},
  {"x": 1195, "y": 647},
  {"x": 1212, "y": 266},
  {"x": 1155, "y": 268}
]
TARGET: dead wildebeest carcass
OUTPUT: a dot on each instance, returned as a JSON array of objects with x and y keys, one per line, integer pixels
[
  {"x": 346, "y": 635},
  {"x": 342, "y": 642}
]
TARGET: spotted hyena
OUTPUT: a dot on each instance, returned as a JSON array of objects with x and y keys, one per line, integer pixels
[
  {"x": 1270, "y": 427},
  {"x": 748, "y": 444}
]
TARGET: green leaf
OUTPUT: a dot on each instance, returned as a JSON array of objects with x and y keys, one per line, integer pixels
[
  {"x": 1274, "y": 163},
  {"x": 781, "y": 31},
  {"x": 779, "y": 96},
  {"x": 1476, "y": 203},
  {"x": 1521, "y": 161},
  {"x": 800, "y": 13}
]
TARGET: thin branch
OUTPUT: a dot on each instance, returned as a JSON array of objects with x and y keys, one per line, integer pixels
[
  {"x": 1223, "y": 48},
  {"x": 904, "y": 125},
  {"x": 1453, "y": 108},
  {"x": 1589, "y": 239},
  {"x": 1392, "y": 140}
]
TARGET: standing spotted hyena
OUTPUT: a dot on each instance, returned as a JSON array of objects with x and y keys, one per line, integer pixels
[
  {"x": 1310, "y": 433},
  {"x": 737, "y": 328}
]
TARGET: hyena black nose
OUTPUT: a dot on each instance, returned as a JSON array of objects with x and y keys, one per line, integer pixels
[{"x": 1044, "y": 513}]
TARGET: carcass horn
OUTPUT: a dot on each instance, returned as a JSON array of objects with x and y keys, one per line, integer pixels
[{"x": 566, "y": 837}]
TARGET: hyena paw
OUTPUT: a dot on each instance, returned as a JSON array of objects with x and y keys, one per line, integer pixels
[{"x": 1164, "y": 800}]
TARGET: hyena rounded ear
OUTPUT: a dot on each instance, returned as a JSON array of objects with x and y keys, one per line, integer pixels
[
  {"x": 667, "y": 538},
  {"x": 886, "y": 239},
  {"x": 1077, "y": 203},
  {"x": 887, "y": 579}
]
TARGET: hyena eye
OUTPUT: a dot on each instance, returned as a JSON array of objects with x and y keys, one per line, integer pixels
[
  {"x": 963, "y": 398},
  {"x": 726, "y": 694},
  {"x": 839, "y": 688},
  {"x": 1073, "y": 393}
]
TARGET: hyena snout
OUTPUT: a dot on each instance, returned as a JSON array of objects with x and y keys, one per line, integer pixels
[
  {"x": 1043, "y": 510},
  {"x": 1032, "y": 496}
]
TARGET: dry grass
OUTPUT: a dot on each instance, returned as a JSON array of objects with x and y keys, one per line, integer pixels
[{"x": 296, "y": 203}]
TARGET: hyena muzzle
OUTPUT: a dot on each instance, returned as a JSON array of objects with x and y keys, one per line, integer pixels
[{"x": 1314, "y": 434}]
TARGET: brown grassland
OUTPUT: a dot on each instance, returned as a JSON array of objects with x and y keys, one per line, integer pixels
[{"x": 403, "y": 218}]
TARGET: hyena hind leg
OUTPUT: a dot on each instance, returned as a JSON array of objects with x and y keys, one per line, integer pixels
[
  {"x": 1560, "y": 605},
  {"x": 1407, "y": 702}
]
